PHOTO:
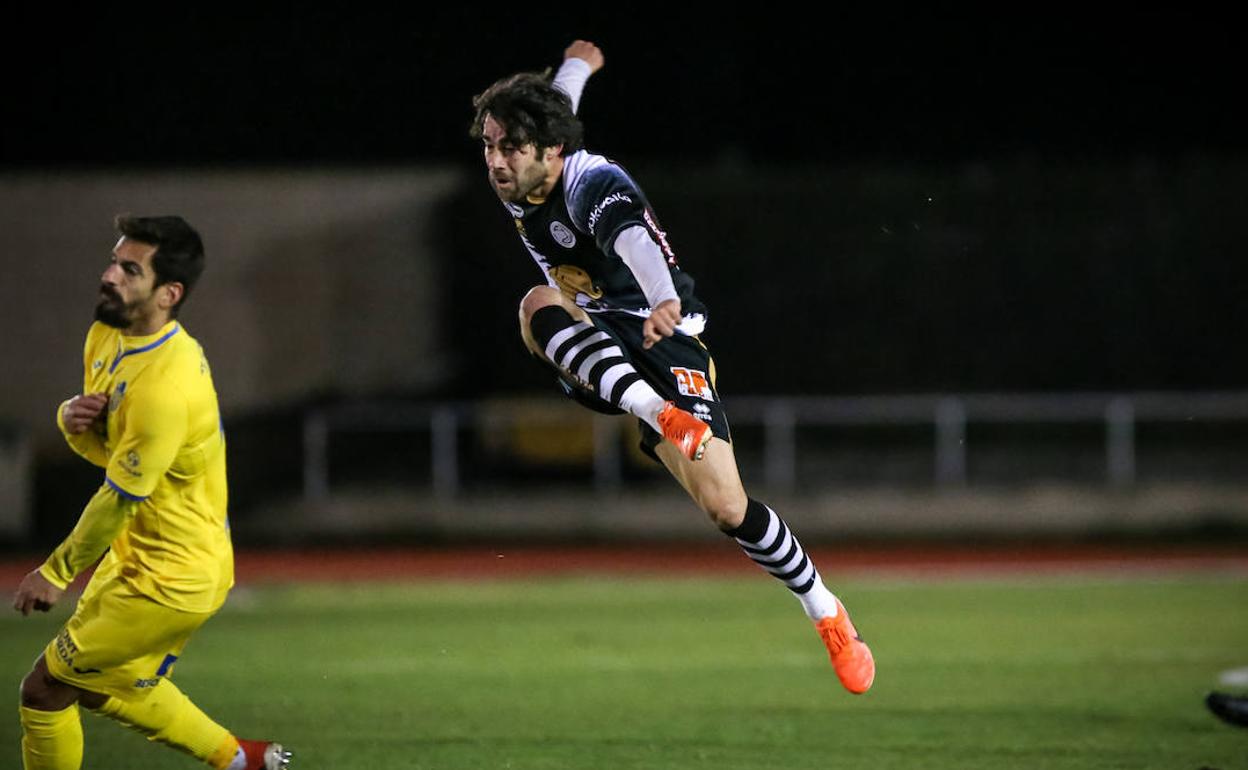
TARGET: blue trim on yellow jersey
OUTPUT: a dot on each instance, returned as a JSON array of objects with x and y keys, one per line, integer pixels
[
  {"x": 122, "y": 492},
  {"x": 143, "y": 349}
]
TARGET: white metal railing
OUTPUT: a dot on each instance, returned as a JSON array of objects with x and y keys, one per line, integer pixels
[{"x": 781, "y": 416}]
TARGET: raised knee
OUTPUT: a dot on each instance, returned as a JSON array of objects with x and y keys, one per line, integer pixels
[
  {"x": 537, "y": 298},
  {"x": 41, "y": 691},
  {"x": 36, "y": 692}
]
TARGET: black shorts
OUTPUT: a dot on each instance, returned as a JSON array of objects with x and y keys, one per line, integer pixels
[{"x": 679, "y": 368}]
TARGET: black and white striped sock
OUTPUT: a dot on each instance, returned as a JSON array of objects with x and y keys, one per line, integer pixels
[
  {"x": 593, "y": 357},
  {"x": 767, "y": 540}
]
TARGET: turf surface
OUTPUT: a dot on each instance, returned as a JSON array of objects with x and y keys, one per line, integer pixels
[{"x": 699, "y": 673}]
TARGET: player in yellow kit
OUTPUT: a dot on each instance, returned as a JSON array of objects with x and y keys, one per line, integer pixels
[{"x": 148, "y": 415}]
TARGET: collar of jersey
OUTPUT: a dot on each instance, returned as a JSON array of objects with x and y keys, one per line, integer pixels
[
  {"x": 534, "y": 200},
  {"x": 133, "y": 345}
]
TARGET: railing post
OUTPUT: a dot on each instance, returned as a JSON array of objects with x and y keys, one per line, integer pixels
[
  {"x": 444, "y": 451},
  {"x": 607, "y": 473},
  {"x": 780, "y": 446},
  {"x": 951, "y": 442},
  {"x": 1120, "y": 442},
  {"x": 316, "y": 457}
]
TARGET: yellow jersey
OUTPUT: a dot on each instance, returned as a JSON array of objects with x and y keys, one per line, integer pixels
[{"x": 162, "y": 447}]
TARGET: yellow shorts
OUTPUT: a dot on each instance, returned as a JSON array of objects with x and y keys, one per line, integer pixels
[{"x": 119, "y": 642}]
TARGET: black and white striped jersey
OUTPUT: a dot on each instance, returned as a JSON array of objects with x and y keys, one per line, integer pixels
[{"x": 572, "y": 232}]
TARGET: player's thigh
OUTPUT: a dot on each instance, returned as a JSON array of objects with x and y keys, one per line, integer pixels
[{"x": 120, "y": 642}]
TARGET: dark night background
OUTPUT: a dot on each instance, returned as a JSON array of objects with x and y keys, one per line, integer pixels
[
  {"x": 1047, "y": 202},
  {"x": 322, "y": 87}
]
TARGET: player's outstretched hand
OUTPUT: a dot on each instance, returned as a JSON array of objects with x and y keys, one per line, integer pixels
[
  {"x": 661, "y": 323},
  {"x": 586, "y": 52},
  {"x": 35, "y": 593},
  {"x": 80, "y": 411}
]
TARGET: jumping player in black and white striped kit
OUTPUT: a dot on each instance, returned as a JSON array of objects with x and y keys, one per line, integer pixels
[{"x": 617, "y": 320}]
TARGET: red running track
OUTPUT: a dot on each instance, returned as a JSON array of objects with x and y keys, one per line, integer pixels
[{"x": 486, "y": 562}]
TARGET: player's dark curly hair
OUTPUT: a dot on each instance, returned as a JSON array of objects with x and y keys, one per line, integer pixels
[
  {"x": 179, "y": 256},
  {"x": 532, "y": 110}
]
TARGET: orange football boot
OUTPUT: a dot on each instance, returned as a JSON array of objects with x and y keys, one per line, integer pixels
[
  {"x": 688, "y": 433},
  {"x": 850, "y": 655}
]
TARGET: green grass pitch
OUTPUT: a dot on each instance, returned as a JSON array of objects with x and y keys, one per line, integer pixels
[{"x": 603, "y": 673}]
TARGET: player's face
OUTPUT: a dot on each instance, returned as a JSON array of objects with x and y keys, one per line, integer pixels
[
  {"x": 128, "y": 286},
  {"x": 515, "y": 172}
]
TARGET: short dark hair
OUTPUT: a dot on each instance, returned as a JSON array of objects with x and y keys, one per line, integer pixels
[
  {"x": 179, "y": 253},
  {"x": 532, "y": 110}
]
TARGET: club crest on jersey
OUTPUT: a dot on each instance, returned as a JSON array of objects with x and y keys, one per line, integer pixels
[
  {"x": 572, "y": 281},
  {"x": 562, "y": 235},
  {"x": 130, "y": 464},
  {"x": 114, "y": 400},
  {"x": 691, "y": 382}
]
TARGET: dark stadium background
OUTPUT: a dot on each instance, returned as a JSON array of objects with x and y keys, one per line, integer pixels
[
  {"x": 1100, "y": 123},
  {"x": 330, "y": 86},
  {"x": 1053, "y": 202},
  {"x": 894, "y": 217}
]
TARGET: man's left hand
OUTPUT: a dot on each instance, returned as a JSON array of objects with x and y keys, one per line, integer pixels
[
  {"x": 586, "y": 52},
  {"x": 36, "y": 593},
  {"x": 661, "y": 323}
]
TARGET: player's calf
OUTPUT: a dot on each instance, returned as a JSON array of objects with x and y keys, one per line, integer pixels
[{"x": 768, "y": 541}]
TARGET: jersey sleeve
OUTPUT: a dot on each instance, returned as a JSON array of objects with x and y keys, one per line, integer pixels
[
  {"x": 155, "y": 427},
  {"x": 649, "y": 267},
  {"x": 571, "y": 79},
  {"x": 88, "y": 444},
  {"x": 605, "y": 202},
  {"x": 101, "y": 521}
]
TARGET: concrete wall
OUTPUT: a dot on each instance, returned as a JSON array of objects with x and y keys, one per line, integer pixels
[
  {"x": 314, "y": 280},
  {"x": 15, "y": 492}
]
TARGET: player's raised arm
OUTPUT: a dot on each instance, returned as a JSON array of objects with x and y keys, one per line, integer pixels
[
  {"x": 580, "y": 60},
  {"x": 586, "y": 52}
]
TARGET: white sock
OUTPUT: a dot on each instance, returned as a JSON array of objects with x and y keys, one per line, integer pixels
[
  {"x": 642, "y": 401},
  {"x": 818, "y": 602}
]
